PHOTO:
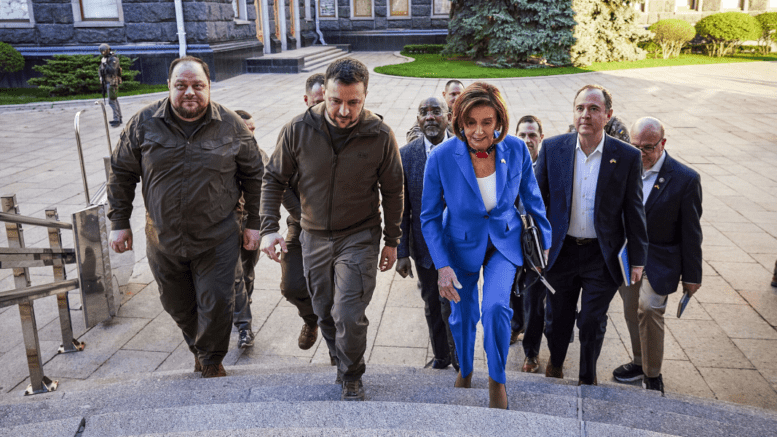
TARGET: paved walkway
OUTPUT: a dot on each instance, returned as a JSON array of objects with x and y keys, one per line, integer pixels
[{"x": 720, "y": 119}]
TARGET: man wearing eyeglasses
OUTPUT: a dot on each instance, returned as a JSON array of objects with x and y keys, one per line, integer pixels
[{"x": 672, "y": 199}]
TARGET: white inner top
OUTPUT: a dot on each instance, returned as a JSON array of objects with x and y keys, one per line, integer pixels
[{"x": 488, "y": 191}]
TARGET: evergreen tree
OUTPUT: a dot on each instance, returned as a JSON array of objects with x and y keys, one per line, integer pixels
[
  {"x": 511, "y": 32},
  {"x": 606, "y": 32}
]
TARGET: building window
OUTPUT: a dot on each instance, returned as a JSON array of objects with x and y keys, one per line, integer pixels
[
  {"x": 16, "y": 12},
  {"x": 686, "y": 5},
  {"x": 399, "y": 8},
  {"x": 441, "y": 7},
  {"x": 239, "y": 8},
  {"x": 99, "y": 10},
  {"x": 97, "y": 13},
  {"x": 362, "y": 9},
  {"x": 639, "y": 6},
  {"x": 327, "y": 9},
  {"x": 727, "y": 5}
]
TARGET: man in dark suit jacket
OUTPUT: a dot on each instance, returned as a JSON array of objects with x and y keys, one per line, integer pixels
[
  {"x": 591, "y": 186},
  {"x": 433, "y": 120},
  {"x": 672, "y": 197}
]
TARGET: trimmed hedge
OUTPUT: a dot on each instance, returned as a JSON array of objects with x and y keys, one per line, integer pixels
[
  {"x": 727, "y": 30},
  {"x": 768, "y": 22},
  {"x": 428, "y": 49},
  {"x": 65, "y": 75},
  {"x": 11, "y": 60},
  {"x": 671, "y": 35}
]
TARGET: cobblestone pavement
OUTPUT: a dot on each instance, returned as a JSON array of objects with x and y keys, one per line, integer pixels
[{"x": 721, "y": 120}]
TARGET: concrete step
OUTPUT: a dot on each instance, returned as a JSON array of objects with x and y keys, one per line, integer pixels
[
  {"x": 323, "y": 61},
  {"x": 608, "y": 404},
  {"x": 324, "y": 52}
]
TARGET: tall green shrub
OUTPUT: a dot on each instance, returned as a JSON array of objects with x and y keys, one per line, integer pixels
[
  {"x": 65, "y": 75},
  {"x": 768, "y": 21},
  {"x": 606, "y": 31},
  {"x": 727, "y": 30},
  {"x": 511, "y": 31},
  {"x": 672, "y": 35},
  {"x": 11, "y": 60}
]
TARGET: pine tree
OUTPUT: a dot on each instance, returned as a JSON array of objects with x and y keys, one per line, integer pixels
[
  {"x": 606, "y": 32},
  {"x": 511, "y": 32}
]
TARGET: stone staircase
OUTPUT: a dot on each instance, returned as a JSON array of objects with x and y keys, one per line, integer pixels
[
  {"x": 303, "y": 400},
  {"x": 302, "y": 60}
]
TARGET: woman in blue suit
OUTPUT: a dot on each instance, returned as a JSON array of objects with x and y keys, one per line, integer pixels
[{"x": 469, "y": 222}]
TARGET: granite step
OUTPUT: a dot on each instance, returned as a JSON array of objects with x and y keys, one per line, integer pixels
[
  {"x": 360, "y": 418},
  {"x": 311, "y": 65},
  {"x": 608, "y": 404}
]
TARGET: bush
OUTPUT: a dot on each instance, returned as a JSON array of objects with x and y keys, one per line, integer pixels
[
  {"x": 11, "y": 60},
  {"x": 606, "y": 31},
  {"x": 429, "y": 49},
  {"x": 768, "y": 22},
  {"x": 672, "y": 35},
  {"x": 727, "y": 30},
  {"x": 65, "y": 75}
]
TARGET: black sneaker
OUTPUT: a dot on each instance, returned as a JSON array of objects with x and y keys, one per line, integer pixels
[
  {"x": 656, "y": 383},
  {"x": 628, "y": 373},
  {"x": 246, "y": 339},
  {"x": 353, "y": 391}
]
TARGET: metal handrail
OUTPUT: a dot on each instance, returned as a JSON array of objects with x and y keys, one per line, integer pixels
[
  {"x": 20, "y": 219},
  {"x": 77, "y": 123},
  {"x": 13, "y": 297},
  {"x": 107, "y": 131}
]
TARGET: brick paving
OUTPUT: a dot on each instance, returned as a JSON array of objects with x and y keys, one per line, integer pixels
[{"x": 720, "y": 120}]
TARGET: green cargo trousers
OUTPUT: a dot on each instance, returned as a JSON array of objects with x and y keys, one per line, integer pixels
[{"x": 341, "y": 273}]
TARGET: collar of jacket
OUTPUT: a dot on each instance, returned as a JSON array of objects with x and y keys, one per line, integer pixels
[
  {"x": 369, "y": 123},
  {"x": 165, "y": 112}
]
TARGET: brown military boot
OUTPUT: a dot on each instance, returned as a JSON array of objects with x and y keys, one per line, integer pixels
[
  {"x": 307, "y": 338},
  {"x": 213, "y": 371},
  {"x": 581, "y": 382},
  {"x": 552, "y": 371},
  {"x": 497, "y": 395},
  {"x": 463, "y": 382},
  {"x": 197, "y": 365}
]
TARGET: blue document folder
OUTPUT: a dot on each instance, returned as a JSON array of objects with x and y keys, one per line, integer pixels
[{"x": 623, "y": 260}]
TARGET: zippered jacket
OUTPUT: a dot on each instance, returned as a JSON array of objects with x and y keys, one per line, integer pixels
[{"x": 340, "y": 194}]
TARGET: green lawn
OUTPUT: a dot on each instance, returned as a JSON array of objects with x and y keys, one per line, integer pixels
[
  {"x": 441, "y": 66},
  {"x": 15, "y": 96}
]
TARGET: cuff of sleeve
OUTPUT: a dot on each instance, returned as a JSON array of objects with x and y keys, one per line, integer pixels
[
  {"x": 118, "y": 225},
  {"x": 254, "y": 223},
  {"x": 391, "y": 242}
]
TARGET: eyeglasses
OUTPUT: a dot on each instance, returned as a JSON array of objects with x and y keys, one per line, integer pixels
[{"x": 648, "y": 149}]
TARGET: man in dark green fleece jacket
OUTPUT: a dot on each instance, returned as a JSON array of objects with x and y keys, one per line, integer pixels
[{"x": 348, "y": 165}]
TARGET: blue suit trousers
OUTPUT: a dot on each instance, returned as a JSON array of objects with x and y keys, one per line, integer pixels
[{"x": 498, "y": 275}]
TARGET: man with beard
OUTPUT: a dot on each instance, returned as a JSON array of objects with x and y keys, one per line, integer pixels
[
  {"x": 348, "y": 166},
  {"x": 452, "y": 91},
  {"x": 433, "y": 119},
  {"x": 195, "y": 158}
]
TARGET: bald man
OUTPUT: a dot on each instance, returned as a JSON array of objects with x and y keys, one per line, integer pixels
[{"x": 672, "y": 199}]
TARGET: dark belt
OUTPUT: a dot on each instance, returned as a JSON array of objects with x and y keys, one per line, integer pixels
[{"x": 579, "y": 241}]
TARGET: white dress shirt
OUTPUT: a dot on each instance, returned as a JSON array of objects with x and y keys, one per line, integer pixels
[
  {"x": 487, "y": 187},
  {"x": 586, "y": 168},
  {"x": 429, "y": 144},
  {"x": 650, "y": 176}
]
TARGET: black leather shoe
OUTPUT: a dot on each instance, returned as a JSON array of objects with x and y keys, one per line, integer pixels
[
  {"x": 516, "y": 336},
  {"x": 774, "y": 281},
  {"x": 455, "y": 360},
  {"x": 628, "y": 373},
  {"x": 656, "y": 383},
  {"x": 443, "y": 363}
]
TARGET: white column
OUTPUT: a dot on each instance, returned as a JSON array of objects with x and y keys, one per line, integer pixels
[
  {"x": 282, "y": 22},
  {"x": 294, "y": 5},
  {"x": 266, "y": 32}
]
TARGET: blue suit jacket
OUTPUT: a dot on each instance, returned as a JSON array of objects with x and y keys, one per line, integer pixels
[
  {"x": 618, "y": 198},
  {"x": 457, "y": 234},
  {"x": 412, "y": 242},
  {"x": 673, "y": 211}
]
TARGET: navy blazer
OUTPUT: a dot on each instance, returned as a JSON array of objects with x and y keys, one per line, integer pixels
[
  {"x": 618, "y": 198},
  {"x": 413, "y": 164},
  {"x": 673, "y": 211},
  {"x": 454, "y": 220}
]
